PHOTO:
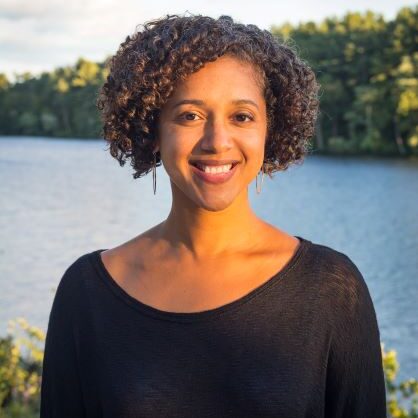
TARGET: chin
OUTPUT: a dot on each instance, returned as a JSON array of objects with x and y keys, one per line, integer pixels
[
  {"x": 214, "y": 204},
  {"x": 210, "y": 200}
]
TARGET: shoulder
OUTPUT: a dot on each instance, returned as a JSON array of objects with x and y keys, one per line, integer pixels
[
  {"x": 333, "y": 262},
  {"x": 346, "y": 306},
  {"x": 75, "y": 274},
  {"x": 68, "y": 295},
  {"x": 341, "y": 281},
  {"x": 342, "y": 291}
]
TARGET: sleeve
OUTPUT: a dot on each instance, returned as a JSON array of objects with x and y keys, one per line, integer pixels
[
  {"x": 355, "y": 385},
  {"x": 61, "y": 394}
]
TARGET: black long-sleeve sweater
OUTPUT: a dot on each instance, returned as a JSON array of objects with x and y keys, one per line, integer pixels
[{"x": 305, "y": 343}]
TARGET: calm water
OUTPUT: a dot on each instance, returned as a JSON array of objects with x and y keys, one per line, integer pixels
[{"x": 62, "y": 198}]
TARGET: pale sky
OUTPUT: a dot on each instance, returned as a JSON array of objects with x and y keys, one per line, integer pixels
[{"x": 39, "y": 35}]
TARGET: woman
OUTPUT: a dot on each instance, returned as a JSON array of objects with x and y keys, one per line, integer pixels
[{"x": 213, "y": 312}]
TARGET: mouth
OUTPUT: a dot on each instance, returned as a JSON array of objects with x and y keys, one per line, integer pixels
[
  {"x": 214, "y": 169},
  {"x": 214, "y": 174}
]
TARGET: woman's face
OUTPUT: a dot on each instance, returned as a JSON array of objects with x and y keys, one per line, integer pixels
[{"x": 216, "y": 114}]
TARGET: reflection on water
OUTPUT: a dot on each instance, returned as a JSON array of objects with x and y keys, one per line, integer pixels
[{"x": 62, "y": 198}]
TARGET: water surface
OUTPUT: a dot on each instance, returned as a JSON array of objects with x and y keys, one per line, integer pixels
[{"x": 62, "y": 198}]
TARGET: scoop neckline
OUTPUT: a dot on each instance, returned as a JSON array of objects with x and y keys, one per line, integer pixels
[{"x": 197, "y": 315}]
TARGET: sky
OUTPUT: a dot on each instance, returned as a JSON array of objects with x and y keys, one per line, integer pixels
[{"x": 40, "y": 35}]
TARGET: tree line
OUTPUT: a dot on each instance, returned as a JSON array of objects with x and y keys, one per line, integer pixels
[{"x": 367, "y": 68}]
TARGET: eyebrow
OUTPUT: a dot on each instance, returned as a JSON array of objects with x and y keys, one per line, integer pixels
[{"x": 202, "y": 103}]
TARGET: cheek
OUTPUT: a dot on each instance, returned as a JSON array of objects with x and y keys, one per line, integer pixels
[
  {"x": 254, "y": 148},
  {"x": 174, "y": 149}
]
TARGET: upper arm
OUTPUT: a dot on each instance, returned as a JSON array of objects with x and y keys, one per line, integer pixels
[
  {"x": 61, "y": 394},
  {"x": 355, "y": 378}
]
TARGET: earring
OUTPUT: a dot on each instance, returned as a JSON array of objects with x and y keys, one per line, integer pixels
[
  {"x": 154, "y": 172},
  {"x": 256, "y": 180}
]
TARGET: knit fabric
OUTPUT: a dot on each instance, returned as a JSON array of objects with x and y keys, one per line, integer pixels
[{"x": 304, "y": 344}]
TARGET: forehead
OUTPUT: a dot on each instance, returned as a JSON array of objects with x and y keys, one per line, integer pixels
[{"x": 223, "y": 77}]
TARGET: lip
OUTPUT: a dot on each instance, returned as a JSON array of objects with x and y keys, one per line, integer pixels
[
  {"x": 214, "y": 162},
  {"x": 214, "y": 178}
]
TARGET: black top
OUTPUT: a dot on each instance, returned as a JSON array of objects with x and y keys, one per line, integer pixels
[{"x": 305, "y": 343}]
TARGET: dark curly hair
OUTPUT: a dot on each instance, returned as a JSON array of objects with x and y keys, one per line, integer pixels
[{"x": 144, "y": 71}]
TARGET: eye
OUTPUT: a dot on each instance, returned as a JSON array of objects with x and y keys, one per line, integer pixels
[
  {"x": 244, "y": 117},
  {"x": 189, "y": 116}
]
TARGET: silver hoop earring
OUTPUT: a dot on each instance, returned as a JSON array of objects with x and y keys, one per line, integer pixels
[
  {"x": 154, "y": 172},
  {"x": 258, "y": 190}
]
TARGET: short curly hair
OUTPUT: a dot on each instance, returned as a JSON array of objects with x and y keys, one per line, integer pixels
[{"x": 145, "y": 69}]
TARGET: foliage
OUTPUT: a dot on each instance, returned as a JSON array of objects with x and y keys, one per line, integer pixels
[
  {"x": 61, "y": 103},
  {"x": 368, "y": 69},
  {"x": 21, "y": 356},
  {"x": 406, "y": 390}
]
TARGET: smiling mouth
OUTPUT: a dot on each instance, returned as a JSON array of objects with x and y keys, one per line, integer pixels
[
  {"x": 214, "y": 169},
  {"x": 215, "y": 174}
]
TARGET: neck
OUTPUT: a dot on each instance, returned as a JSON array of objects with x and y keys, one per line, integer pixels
[{"x": 200, "y": 233}]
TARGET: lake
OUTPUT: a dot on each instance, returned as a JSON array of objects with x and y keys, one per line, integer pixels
[{"x": 62, "y": 198}]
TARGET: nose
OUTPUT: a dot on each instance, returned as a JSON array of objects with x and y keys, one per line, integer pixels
[{"x": 217, "y": 138}]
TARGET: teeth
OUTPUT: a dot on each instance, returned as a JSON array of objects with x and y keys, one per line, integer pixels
[{"x": 215, "y": 169}]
